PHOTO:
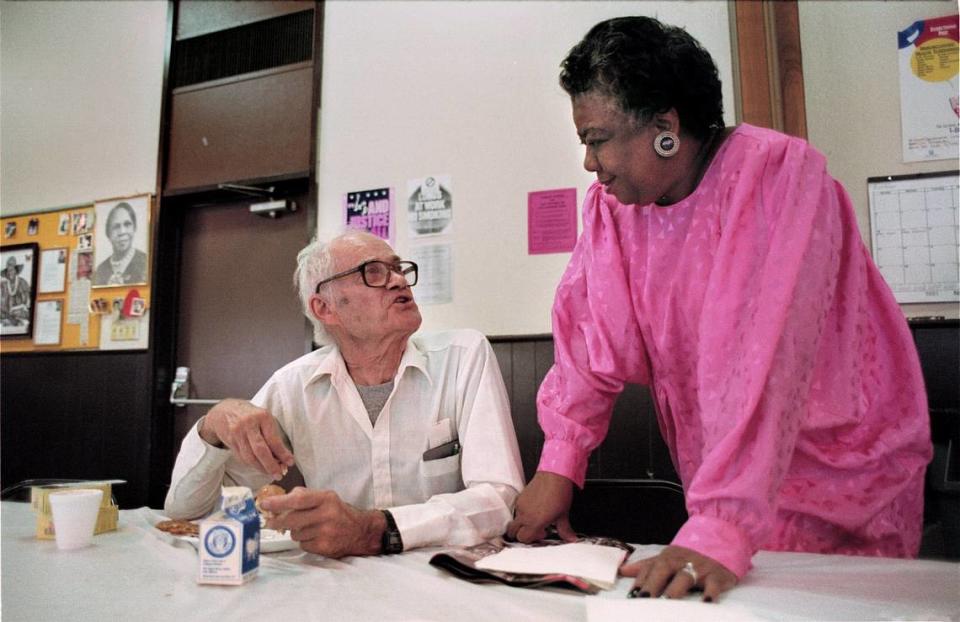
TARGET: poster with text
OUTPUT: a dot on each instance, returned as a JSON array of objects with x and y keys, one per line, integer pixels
[
  {"x": 430, "y": 206},
  {"x": 551, "y": 221},
  {"x": 929, "y": 103},
  {"x": 370, "y": 211}
]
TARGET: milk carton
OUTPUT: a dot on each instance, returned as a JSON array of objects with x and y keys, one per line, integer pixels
[{"x": 230, "y": 540}]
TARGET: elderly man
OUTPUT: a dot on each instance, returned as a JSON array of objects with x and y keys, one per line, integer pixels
[{"x": 403, "y": 441}]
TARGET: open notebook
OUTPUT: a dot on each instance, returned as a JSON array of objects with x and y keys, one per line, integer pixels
[{"x": 588, "y": 565}]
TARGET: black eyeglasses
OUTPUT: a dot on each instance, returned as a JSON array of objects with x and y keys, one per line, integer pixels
[{"x": 376, "y": 273}]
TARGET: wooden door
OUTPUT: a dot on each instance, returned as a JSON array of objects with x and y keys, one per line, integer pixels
[{"x": 239, "y": 318}]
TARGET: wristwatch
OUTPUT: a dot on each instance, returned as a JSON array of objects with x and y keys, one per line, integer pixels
[{"x": 390, "y": 541}]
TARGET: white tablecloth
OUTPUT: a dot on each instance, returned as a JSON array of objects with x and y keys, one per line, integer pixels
[{"x": 138, "y": 573}]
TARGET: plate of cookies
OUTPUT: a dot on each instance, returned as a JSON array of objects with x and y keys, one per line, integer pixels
[{"x": 271, "y": 540}]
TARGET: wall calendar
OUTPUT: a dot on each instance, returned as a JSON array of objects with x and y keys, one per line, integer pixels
[{"x": 914, "y": 234}]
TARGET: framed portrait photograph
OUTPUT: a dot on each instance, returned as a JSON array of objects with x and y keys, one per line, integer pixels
[
  {"x": 121, "y": 246},
  {"x": 18, "y": 292}
]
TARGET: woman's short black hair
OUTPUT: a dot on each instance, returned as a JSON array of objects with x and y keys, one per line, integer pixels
[{"x": 647, "y": 67}]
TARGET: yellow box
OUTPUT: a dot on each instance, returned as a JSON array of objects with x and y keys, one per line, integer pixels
[{"x": 106, "y": 520}]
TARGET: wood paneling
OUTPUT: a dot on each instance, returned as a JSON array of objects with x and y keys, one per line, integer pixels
[
  {"x": 789, "y": 69},
  {"x": 769, "y": 65},
  {"x": 753, "y": 67},
  {"x": 77, "y": 415},
  {"x": 633, "y": 448}
]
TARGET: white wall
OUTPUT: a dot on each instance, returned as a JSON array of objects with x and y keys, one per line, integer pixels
[
  {"x": 852, "y": 84},
  {"x": 80, "y": 93},
  {"x": 470, "y": 89}
]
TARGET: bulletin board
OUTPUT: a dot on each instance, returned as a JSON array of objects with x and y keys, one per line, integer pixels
[{"x": 88, "y": 272}]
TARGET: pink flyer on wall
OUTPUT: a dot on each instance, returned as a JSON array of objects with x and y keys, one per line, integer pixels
[
  {"x": 371, "y": 211},
  {"x": 551, "y": 221}
]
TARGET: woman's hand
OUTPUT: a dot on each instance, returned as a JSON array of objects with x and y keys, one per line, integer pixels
[
  {"x": 666, "y": 574},
  {"x": 545, "y": 501}
]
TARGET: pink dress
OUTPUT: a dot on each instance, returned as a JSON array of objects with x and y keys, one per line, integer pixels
[{"x": 786, "y": 380}]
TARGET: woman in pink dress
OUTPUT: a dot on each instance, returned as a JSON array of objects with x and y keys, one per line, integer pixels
[{"x": 724, "y": 268}]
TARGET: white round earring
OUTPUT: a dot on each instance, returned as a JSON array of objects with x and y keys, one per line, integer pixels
[{"x": 666, "y": 144}]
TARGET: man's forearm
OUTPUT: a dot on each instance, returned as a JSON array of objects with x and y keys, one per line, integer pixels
[{"x": 463, "y": 518}]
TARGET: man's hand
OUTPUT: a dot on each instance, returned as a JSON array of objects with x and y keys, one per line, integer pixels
[
  {"x": 665, "y": 574},
  {"x": 545, "y": 501},
  {"x": 324, "y": 524},
  {"x": 251, "y": 433}
]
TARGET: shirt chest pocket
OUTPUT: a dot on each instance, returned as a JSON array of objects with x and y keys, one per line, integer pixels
[{"x": 440, "y": 463}]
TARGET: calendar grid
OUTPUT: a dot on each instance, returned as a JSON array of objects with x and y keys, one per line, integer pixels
[{"x": 914, "y": 232}]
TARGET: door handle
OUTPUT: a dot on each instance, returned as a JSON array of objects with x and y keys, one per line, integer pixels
[{"x": 180, "y": 390}]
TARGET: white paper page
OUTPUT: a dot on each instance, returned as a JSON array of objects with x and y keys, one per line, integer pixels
[
  {"x": 49, "y": 313},
  {"x": 53, "y": 270},
  {"x": 435, "y": 279},
  {"x": 592, "y": 562}
]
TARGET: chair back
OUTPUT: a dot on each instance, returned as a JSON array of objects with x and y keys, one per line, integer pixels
[{"x": 640, "y": 511}]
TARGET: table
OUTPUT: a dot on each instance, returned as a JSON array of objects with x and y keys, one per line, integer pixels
[{"x": 138, "y": 573}]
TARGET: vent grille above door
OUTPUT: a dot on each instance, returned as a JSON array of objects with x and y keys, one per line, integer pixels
[{"x": 253, "y": 47}]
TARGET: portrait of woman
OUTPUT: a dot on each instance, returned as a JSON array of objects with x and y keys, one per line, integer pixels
[{"x": 121, "y": 245}]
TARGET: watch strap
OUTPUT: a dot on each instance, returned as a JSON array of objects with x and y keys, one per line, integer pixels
[{"x": 390, "y": 541}]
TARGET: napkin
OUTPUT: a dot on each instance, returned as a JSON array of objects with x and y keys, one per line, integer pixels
[{"x": 594, "y": 563}]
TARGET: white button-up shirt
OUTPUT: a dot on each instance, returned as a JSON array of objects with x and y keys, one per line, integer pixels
[{"x": 448, "y": 387}]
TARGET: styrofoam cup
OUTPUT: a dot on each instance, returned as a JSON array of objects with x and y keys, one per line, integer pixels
[{"x": 75, "y": 516}]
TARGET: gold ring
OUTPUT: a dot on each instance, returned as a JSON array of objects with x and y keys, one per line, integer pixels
[{"x": 688, "y": 568}]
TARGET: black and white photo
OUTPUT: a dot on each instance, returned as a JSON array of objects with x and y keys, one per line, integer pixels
[
  {"x": 17, "y": 291},
  {"x": 121, "y": 253}
]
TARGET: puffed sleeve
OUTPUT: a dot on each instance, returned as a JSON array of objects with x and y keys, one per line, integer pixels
[
  {"x": 597, "y": 346},
  {"x": 772, "y": 285}
]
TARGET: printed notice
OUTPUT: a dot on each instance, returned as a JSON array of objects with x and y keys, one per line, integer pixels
[
  {"x": 53, "y": 270},
  {"x": 435, "y": 273},
  {"x": 914, "y": 231},
  {"x": 551, "y": 221},
  {"x": 370, "y": 211},
  {"x": 929, "y": 102},
  {"x": 49, "y": 317}
]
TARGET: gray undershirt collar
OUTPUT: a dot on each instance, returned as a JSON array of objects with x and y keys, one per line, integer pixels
[{"x": 374, "y": 397}]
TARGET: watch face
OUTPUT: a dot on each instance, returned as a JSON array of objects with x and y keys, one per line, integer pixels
[{"x": 393, "y": 543}]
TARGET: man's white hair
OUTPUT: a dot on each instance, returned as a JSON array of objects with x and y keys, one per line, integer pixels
[{"x": 316, "y": 263}]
